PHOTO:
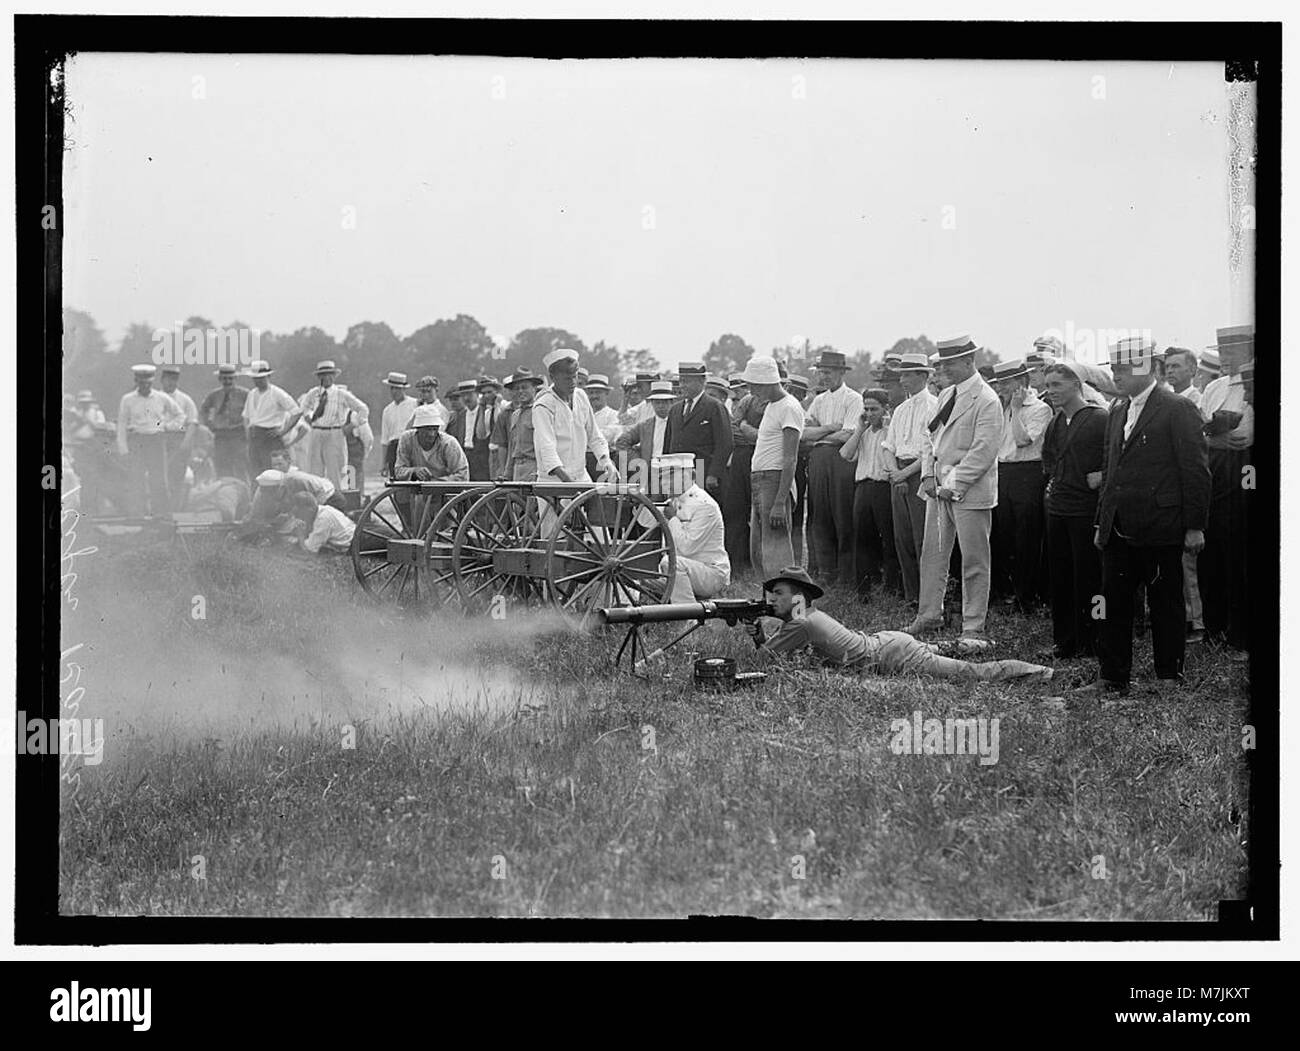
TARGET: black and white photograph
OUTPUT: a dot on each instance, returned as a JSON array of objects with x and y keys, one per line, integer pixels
[{"x": 576, "y": 480}]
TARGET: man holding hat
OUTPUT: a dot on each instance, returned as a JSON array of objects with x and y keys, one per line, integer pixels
[
  {"x": 424, "y": 454},
  {"x": 325, "y": 408},
  {"x": 959, "y": 479},
  {"x": 902, "y": 451},
  {"x": 772, "y": 467},
  {"x": 699, "y": 425},
  {"x": 396, "y": 416},
  {"x": 222, "y": 412},
  {"x": 1154, "y": 500},
  {"x": 832, "y": 419},
  {"x": 792, "y": 594},
  {"x": 564, "y": 427},
  {"x": 515, "y": 428},
  {"x": 270, "y": 413},
  {"x": 144, "y": 415},
  {"x": 1018, "y": 518}
]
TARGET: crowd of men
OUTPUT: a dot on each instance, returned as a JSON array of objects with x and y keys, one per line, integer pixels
[{"x": 1111, "y": 496}]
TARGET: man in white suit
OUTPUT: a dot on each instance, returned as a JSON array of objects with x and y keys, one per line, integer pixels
[{"x": 959, "y": 481}]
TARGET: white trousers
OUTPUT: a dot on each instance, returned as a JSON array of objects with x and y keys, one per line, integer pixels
[
  {"x": 327, "y": 452},
  {"x": 693, "y": 580}
]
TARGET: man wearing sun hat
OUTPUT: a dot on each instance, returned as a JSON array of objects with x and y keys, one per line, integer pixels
[
  {"x": 222, "y": 412},
  {"x": 772, "y": 467},
  {"x": 902, "y": 448},
  {"x": 325, "y": 408},
  {"x": 425, "y": 454},
  {"x": 564, "y": 427},
  {"x": 959, "y": 479},
  {"x": 1155, "y": 496},
  {"x": 396, "y": 416},
  {"x": 143, "y": 418}
]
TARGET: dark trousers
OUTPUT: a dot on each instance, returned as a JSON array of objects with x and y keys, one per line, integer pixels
[
  {"x": 177, "y": 461},
  {"x": 736, "y": 498},
  {"x": 230, "y": 453},
  {"x": 873, "y": 521},
  {"x": 1018, "y": 532},
  {"x": 479, "y": 465},
  {"x": 830, "y": 512},
  {"x": 147, "y": 464},
  {"x": 800, "y": 505},
  {"x": 1221, "y": 567},
  {"x": 390, "y": 458},
  {"x": 909, "y": 532},
  {"x": 1123, "y": 568},
  {"x": 1076, "y": 584},
  {"x": 262, "y": 441}
]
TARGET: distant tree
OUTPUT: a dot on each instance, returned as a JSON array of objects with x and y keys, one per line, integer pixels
[
  {"x": 639, "y": 360},
  {"x": 89, "y": 363},
  {"x": 727, "y": 354},
  {"x": 452, "y": 349},
  {"x": 985, "y": 356},
  {"x": 296, "y": 357},
  {"x": 532, "y": 344},
  {"x": 373, "y": 350}
]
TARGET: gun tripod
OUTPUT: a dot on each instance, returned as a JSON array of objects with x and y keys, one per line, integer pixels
[{"x": 633, "y": 644}]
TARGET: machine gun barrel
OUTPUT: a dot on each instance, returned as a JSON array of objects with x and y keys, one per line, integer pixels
[{"x": 731, "y": 610}]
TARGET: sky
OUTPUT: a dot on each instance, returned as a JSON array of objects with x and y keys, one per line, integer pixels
[{"x": 650, "y": 203}]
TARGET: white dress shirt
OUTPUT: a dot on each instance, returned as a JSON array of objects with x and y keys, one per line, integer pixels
[
  {"x": 839, "y": 408},
  {"x": 1191, "y": 394},
  {"x": 661, "y": 432},
  {"x": 907, "y": 426},
  {"x": 332, "y": 529},
  {"x": 187, "y": 406},
  {"x": 1034, "y": 416},
  {"x": 268, "y": 408},
  {"x": 643, "y": 411},
  {"x": 562, "y": 434},
  {"x": 607, "y": 423},
  {"x": 1135, "y": 406},
  {"x": 1227, "y": 392},
  {"x": 337, "y": 404},
  {"x": 151, "y": 413},
  {"x": 396, "y": 416},
  {"x": 871, "y": 456}
]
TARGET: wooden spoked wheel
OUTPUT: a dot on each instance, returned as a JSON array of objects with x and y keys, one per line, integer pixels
[
  {"x": 606, "y": 550},
  {"x": 440, "y": 539},
  {"x": 500, "y": 522}
]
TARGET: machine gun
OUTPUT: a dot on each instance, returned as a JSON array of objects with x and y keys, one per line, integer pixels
[{"x": 731, "y": 611}]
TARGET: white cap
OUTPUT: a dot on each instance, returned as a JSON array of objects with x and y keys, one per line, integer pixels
[
  {"x": 761, "y": 369},
  {"x": 427, "y": 416},
  {"x": 559, "y": 354},
  {"x": 271, "y": 478}
]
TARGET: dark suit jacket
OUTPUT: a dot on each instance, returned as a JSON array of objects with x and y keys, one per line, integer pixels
[
  {"x": 706, "y": 433},
  {"x": 1158, "y": 482}
]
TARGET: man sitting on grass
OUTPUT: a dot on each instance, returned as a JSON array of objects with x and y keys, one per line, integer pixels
[
  {"x": 327, "y": 528},
  {"x": 792, "y": 593}
]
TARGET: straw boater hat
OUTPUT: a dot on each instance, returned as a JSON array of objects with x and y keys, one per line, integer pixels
[
  {"x": 1236, "y": 347},
  {"x": 892, "y": 359},
  {"x": 170, "y": 370},
  {"x": 327, "y": 366},
  {"x": 957, "y": 347},
  {"x": 1209, "y": 361},
  {"x": 557, "y": 355},
  {"x": 1009, "y": 370},
  {"x": 260, "y": 368},
  {"x": 226, "y": 370},
  {"x": 427, "y": 416},
  {"x": 795, "y": 575},
  {"x": 661, "y": 390},
  {"x": 692, "y": 368},
  {"x": 761, "y": 369},
  {"x": 716, "y": 382},
  {"x": 397, "y": 379},
  {"x": 488, "y": 381},
  {"x": 597, "y": 381},
  {"x": 798, "y": 383},
  {"x": 583, "y": 375},
  {"x": 1136, "y": 351},
  {"x": 523, "y": 375},
  {"x": 466, "y": 386},
  {"x": 736, "y": 382},
  {"x": 914, "y": 363},
  {"x": 143, "y": 372}
]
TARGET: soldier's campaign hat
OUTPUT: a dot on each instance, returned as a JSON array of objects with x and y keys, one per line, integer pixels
[
  {"x": 487, "y": 381},
  {"x": 692, "y": 368},
  {"x": 523, "y": 375},
  {"x": 1009, "y": 370},
  {"x": 831, "y": 359},
  {"x": 170, "y": 370},
  {"x": 913, "y": 363},
  {"x": 662, "y": 390},
  {"x": 326, "y": 366},
  {"x": 142, "y": 372},
  {"x": 795, "y": 575},
  {"x": 226, "y": 370},
  {"x": 85, "y": 395},
  {"x": 1136, "y": 351},
  {"x": 957, "y": 347},
  {"x": 397, "y": 379},
  {"x": 598, "y": 380},
  {"x": 465, "y": 386},
  {"x": 559, "y": 354},
  {"x": 427, "y": 416},
  {"x": 1209, "y": 361},
  {"x": 761, "y": 369},
  {"x": 260, "y": 368}
]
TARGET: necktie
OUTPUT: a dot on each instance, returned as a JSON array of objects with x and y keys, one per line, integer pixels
[
  {"x": 941, "y": 417},
  {"x": 480, "y": 431},
  {"x": 225, "y": 400},
  {"x": 320, "y": 406}
]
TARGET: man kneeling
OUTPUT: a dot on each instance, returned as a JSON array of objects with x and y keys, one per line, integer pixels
[
  {"x": 695, "y": 521},
  {"x": 328, "y": 528},
  {"x": 792, "y": 593}
]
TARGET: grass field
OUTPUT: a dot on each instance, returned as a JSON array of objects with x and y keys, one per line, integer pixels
[{"x": 501, "y": 768}]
